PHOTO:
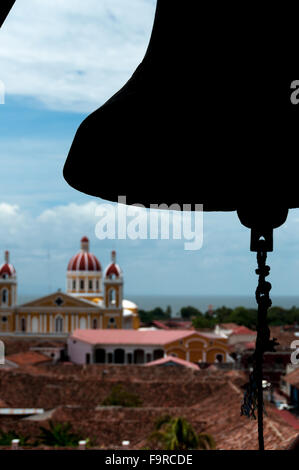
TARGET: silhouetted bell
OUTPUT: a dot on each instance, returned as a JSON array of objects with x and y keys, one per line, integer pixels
[{"x": 206, "y": 117}]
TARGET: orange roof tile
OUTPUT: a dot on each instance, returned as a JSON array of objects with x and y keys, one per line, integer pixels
[
  {"x": 243, "y": 330},
  {"x": 156, "y": 337},
  {"x": 229, "y": 326},
  {"x": 173, "y": 360},
  {"x": 28, "y": 357}
]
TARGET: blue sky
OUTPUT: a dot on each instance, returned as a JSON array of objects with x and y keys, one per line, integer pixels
[{"x": 58, "y": 63}]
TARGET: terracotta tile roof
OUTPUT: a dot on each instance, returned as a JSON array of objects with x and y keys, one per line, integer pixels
[
  {"x": 229, "y": 326},
  {"x": 169, "y": 324},
  {"x": 209, "y": 399},
  {"x": 293, "y": 378},
  {"x": 157, "y": 337},
  {"x": 284, "y": 337},
  {"x": 221, "y": 413},
  {"x": 172, "y": 360},
  {"x": 28, "y": 357},
  {"x": 288, "y": 417},
  {"x": 243, "y": 330},
  {"x": 237, "y": 329}
]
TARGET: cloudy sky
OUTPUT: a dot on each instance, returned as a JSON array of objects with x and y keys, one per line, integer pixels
[{"x": 58, "y": 62}]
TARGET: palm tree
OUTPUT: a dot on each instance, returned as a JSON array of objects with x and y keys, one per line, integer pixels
[
  {"x": 206, "y": 441},
  {"x": 7, "y": 437},
  {"x": 178, "y": 434},
  {"x": 59, "y": 435}
]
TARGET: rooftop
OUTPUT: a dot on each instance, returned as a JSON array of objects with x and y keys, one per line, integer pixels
[
  {"x": 28, "y": 357},
  {"x": 208, "y": 399},
  {"x": 172, "y": 361},
  {"x": 150, "y": 337}
]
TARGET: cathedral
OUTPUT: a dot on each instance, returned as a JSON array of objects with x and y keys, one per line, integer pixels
[{"x": 93, "y": 300}]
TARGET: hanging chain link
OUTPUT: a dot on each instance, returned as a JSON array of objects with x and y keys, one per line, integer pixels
[{"x": 253, "y": 396}]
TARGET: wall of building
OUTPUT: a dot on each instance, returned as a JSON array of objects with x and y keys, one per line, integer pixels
[
  {"x": 194, "y": 349},
  {"x": 234, "y": 339},
  {"x": 199, "y": 349},
  {"x": 77, "y": 351}
]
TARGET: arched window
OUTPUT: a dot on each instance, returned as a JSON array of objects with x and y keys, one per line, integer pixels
[
  {"x": 90, "y": 285},
  {"x": 81, "y": 284},
  {"x": 74, "y": 284},
  {"x": 4, "y": 296},
  {"x": 100, "y": 356},
  {"x": 94, "y": 324},
  {"x": 112, "y": 296},
  {"x": 59, "y": 325},
  {"x": 138, "y": 356},
  {"x": 119, "y": 356},
  {"x": 219, "y": 358}
]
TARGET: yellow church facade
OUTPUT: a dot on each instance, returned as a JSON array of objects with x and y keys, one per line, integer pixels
[
  {"x": 99, "y": 323},
  {"x": 199, "y": 347},
  {"x": 93, "y": 300}
]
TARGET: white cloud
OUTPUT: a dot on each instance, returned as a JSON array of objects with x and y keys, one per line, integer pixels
[
  {"x": 73, "y": 55},
  {"x": 8, "y": 210}
]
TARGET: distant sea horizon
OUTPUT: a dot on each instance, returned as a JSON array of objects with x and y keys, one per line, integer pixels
[{"x": 201, "y": 302}]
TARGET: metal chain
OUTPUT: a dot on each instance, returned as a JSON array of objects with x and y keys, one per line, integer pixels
[{"x": 253, "y": 396}]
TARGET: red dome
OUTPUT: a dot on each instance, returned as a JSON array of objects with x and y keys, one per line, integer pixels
[
  {"x": 7, "y": 269},
  {"x": 84, "y": 262},
  {"x": 112, "y": 269}
]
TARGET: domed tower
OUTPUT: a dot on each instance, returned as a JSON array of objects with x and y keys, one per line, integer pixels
[
  {"x": 113, "y": 294},
  {"x": 84, "y": 273},
  {"x": 8, "y": 294},
  {"x": 8, "y": 283}
]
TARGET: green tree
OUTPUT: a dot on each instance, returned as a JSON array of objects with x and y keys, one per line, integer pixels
[
  {"x": 202, "y": 321},
  {"x": 156, "y": 314},
  {"x": 223, "y": 314},
  {"x": 244, "y": 316},
  {"x": 7, "y": 437},
  {"x": 168, "y": 311},
  {"x": 189, "y": 312},
  {"x": 280, "y": 316},
  {"x": 176, "y": 433},
  {"x": 118, "y": 396},
  {"x": 59, "y": 435}
]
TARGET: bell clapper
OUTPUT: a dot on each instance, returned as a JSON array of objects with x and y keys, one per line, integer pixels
[{"x": 253, "y": 397}]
